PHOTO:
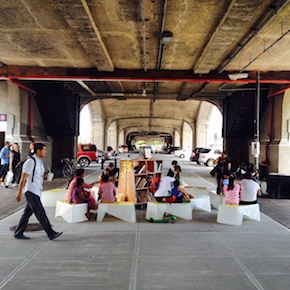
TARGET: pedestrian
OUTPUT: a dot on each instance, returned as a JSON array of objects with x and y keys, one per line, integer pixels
[
  {"x": 31, "y": 185},
  {"x": 15, "y": 158},
  {"x": 4, "y": 155},
  {"x": 31, "y": 149},
  {"x": 223, "y": 167}
]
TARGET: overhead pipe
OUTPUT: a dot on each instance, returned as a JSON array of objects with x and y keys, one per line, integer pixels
[
  {"x": 143, "y": 79},
  {"x": 30, "y": 104}
]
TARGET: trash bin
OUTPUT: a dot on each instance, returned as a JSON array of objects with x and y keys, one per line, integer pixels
[{"x": 278, "y": 186}]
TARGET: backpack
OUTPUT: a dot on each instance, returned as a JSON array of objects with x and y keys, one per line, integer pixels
[{"x": 18, "y": 170}]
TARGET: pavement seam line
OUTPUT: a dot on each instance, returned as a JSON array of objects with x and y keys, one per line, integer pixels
[
  {"x": 135, "y": 258},
  {"x": 21, "y": 266},
  {"x": 244, "y": 268}
]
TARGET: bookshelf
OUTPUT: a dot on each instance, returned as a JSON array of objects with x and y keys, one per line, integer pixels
[
  {"x": 135, "y": 179},
  {"x": 144, "y": 172}
]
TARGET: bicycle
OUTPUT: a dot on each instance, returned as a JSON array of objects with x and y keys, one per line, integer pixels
[{"x": 68, "y": 168}]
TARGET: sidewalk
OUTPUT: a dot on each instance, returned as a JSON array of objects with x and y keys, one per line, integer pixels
[{"x": 197, "y": 254}]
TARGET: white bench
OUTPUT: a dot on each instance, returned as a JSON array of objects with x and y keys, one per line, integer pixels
[
  {"x": 215, "y": 199},
  {"x": 234, "y": 214},
  {"x": 122, "y": 210},
  {"x": 50, "y": 197},
  {"x": 71, "y": 212},
  {"x": 156, "y": 210}
]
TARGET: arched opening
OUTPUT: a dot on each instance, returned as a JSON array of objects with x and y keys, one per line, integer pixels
[{"x": 205, "y": 130}]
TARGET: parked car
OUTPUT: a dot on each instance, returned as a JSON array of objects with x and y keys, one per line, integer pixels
[
  {"x": 171, "y": 150},
  {"x": 123, "y": 148},
  {"x": 112, "y": 151},
  {"x": 208, "y": 155},
  {"x": 195, "y": 155},
  {"x": 86, "y": 154},
  {"x": 103, "y": 155},
  {"x": 180, "y": 153}
]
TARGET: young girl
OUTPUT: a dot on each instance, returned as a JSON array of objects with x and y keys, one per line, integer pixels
[
  {"x": 80, "y": 195},
  {"x": 107, "y": 190},
  {"x": 232, "y": 191}
]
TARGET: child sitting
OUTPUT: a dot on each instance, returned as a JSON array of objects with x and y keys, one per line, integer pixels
[
  {"x": 107, "y": 190},
  {"x": 232, "y": 191},
  {"x": 178, "y": 194},
  {"x": 80, "y": 195}
]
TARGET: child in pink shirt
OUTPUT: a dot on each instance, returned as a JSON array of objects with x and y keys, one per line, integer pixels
[
  {"x": 107, "y": 190},
  {"x": 232, "y": 191}
]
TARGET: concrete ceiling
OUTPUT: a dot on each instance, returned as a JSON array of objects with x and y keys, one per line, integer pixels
[{"x": 113, "y": 49}]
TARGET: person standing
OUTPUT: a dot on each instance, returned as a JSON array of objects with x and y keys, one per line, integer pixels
[
  {"x": 31, "y": 185},
  {"x": 223, "y": 167},
  {"x": 4, "y": 155},
  {"x": 31, "y": 149},
  {"x": 15, "y": 158}
]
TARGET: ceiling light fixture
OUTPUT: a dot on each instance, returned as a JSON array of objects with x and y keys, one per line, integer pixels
[
  {"x": 167, "y": 37},
  {"x": 238, "y": 76}
]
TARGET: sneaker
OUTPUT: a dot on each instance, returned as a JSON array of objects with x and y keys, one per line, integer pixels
[
  {"x": 14, "y": 185},
  {"x": 2, "y": 184}
]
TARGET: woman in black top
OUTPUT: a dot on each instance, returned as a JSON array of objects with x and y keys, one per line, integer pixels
[
  {"x": 223, "y": 167},
  {"x": 15, "y": 158}
]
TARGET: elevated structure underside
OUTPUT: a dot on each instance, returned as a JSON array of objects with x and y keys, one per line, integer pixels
[{"x": 148, "y": 62}]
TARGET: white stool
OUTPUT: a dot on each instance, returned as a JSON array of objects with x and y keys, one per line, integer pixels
[
  {"x": 122, "y": 210},
  {"x": 234, "y": 214},
  {"x": 71, "y": 212}
]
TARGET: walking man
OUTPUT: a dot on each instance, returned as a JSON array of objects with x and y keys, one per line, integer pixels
[
  {"x": 31, "y": 185},
  {"x": 4, "y": 155}
]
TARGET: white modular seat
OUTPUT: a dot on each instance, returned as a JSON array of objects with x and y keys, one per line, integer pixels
[
  {"x": 234, "y": 214},
  {"x": 122, "y": 210},
  {"x": 71, "y": 212},
  {"x": 156, "y": 210}
]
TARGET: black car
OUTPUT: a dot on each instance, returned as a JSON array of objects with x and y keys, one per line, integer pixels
[
  {"x": 195, "y": 154},
  {"x": 172, "y": 149}
]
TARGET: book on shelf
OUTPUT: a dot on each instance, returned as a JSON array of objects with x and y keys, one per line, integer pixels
[
  {"x": 142, "y": 183},
  {"x": 158, "y": 165},
  {"x": 137, "y": 181},
  {"x": 140, "y": 169}
]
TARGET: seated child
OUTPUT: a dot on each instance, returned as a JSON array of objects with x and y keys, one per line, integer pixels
[
  {"x": 80, "y": 195},
  {"x": 232, "y": 191},
  {"x": 178, "y": 194},
  {"x": 107, "y": 190},
  {"x": 155, "y": 183}
]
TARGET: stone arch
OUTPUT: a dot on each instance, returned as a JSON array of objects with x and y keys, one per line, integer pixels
[{"x": 201, "y": 124}]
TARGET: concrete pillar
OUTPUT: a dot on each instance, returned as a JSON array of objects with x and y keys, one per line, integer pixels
[
  {"x": 98, "y": 124},
  {"x": 15, "y": 104},
  {"x": 112, "y": 135},
  {"x": 186, "y": 137},
  {"x": 176, "y": 138}
]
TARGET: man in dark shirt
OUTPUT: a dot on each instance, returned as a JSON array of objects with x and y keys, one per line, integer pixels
[{"x": 113, "y": 173}]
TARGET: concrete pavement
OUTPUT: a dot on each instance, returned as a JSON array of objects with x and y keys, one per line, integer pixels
[{"x": 197, "y": 254}]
